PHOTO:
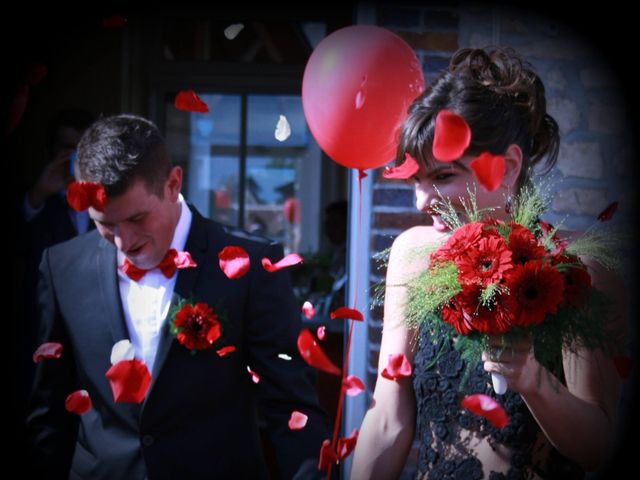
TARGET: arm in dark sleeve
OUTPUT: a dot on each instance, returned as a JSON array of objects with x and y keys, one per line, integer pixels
[
  {"x": 286, "y": 385},
  {"x": 52, "y": 430}
]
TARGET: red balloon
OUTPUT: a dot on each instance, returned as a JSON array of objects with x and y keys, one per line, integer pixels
[{"x": 357, "y": 86}]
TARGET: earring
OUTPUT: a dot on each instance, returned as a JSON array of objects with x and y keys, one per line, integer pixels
[{"x": 509, "y": 203}]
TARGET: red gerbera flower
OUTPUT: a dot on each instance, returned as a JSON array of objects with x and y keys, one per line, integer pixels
[
  {"x": 538, "y": 289},
  {"x": 577, "y": 283},
  {"x": 523, "y": 245},
  {"x": 196, "y": 326},
  {"x": 466, "y": 313},
  {"x": 460, "y": 241},
  {"x": 486, "y": 262}
]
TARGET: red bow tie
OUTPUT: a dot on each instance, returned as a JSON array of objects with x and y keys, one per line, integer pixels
[{"x": 171, "y": 261}]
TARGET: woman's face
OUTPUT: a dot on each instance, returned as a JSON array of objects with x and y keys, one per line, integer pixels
[{"x": 452, "y": 180}]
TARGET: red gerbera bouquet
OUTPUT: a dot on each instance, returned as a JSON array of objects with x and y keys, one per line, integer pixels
[{"x": 512, "y": 278}]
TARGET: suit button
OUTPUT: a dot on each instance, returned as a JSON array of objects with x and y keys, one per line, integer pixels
[{"x": 147, "y": 440}]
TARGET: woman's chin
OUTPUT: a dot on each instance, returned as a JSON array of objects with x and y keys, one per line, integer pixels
[{"x": 439, "y": 225}]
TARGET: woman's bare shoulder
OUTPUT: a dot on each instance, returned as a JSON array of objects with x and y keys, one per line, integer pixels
[{"x": 419, "y": 236}]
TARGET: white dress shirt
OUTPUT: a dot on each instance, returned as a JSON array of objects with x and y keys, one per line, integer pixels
[{"x": 146, "y": 302}]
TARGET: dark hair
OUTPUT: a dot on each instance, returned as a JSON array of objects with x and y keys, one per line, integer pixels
[
  {"x": 500, "y": 97},
  {"x": 76, "y": 118},
  {"x": 116, "y": 151}
]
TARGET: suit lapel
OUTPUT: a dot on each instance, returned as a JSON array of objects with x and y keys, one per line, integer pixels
[
  {"x": 185, "y": 287},
  {"x": 111, "y": 301}
]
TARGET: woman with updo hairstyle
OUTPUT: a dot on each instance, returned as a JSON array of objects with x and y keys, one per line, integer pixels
[{"x": 556, "y": 429}]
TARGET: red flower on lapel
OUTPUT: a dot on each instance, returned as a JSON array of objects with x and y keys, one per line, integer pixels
[{"x": 196, "y": 325}]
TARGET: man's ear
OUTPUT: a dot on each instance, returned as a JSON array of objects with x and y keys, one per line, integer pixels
[
  {"x": 173, "y": 185},
  {"x": 513, "y": 166}
]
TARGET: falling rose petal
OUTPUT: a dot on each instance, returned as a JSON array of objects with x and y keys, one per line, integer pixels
[
  {"x": 284, "y": 356},
  {"x": 129, "y": 380},
  {"x": 122, "y": 350},
  {"x": 288, "y": 261},
  {"x": 314, "y": 355},
  {"x": 352, "y": 385},
  {"x": 225, "y": 350},
  {"x": 188, "y": 101},
  {"x": 184, "y": 260},
  {"x": 607, "y": 213},
  {"x": 397, "y": 367},
  {"x": 78, "y": 402},
  {"x": 47, "y": 350},
  {"x": 320, "y": 332},
  {"x": 297, "y": 421},
  {"x": 114, "y": 21},
  {"x": 327, "y": 456},
  {"x": 485, "y": 406},
  {"x": 489, "y": 170},
  {"x": 17, "y": 108},
  {"x": 255, "y": 378},
  {"x": 345, "y": 312},
  {"x": 362, "y": 174},
  {"x": 308, "y": 310},
  {"x": 283, "y": 129},
  {"x": 407, "y": 170},
  {"x": 291, "y": 210},
  {"x": 234, "y": 261},
  {"x": 623, "y": 365},
  {"x": 452, "y": 136},
  {"x": 233, "y": 30},
  {"x": 347, "y": 444}
]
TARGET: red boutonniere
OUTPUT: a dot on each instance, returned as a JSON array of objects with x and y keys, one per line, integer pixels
[{"x": 196, "y": 325}]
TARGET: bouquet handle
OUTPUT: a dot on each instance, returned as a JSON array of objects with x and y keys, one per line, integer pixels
[{"x": 499, "y": 383}]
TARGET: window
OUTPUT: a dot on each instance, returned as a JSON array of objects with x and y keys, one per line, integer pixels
[{"x": 238, "y": 173}]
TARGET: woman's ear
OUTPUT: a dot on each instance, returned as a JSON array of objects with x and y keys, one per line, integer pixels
[{"x": 513, "y": 165}]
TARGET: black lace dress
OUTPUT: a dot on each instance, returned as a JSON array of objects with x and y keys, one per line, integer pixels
[{"x": 442, "y": 424}]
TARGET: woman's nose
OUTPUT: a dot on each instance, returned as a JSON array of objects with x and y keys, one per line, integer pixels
[{"x": 424, "y": 195}]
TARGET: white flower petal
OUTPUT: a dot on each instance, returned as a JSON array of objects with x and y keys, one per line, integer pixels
[
  {"x": 283, "y": 129},
  {"x": 122, "y": 350}
]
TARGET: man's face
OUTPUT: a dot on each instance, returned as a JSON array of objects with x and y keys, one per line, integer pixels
[{"x": 139, "y": 223}]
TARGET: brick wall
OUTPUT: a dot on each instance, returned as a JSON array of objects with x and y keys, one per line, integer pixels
[{"x": 594, "y": 166}]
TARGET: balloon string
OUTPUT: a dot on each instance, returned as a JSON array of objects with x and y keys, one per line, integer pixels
[{"x": 336, "y": 424}]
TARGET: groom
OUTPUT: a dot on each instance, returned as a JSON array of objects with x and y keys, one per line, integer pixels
[{"x": 203, "y": 413}]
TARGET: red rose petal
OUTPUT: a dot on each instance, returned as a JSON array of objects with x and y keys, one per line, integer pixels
[
  {"x": 327, "y": 456},
  {"x": 234, "y": 261},
  {"x": 291, "y": 210},
  {"x": 320, "y": 332},
  {"x": 623, "y": 366},
  {"x": 255, "y": 378},
  {"x": 184, "y": 260},
  {"x": 397, "y": 367},
  {"x": 352, "y": 385},
  {"x": 47, "y": 350},
  {"x": 226, "y": 350},
  {"x": 451, "y": 138},
  {"x": 77, "y": 197},
  {"x": 485, "y": 406},
  {"x": 489, "y": 170},
  {"x": 129, "y": 380},
  {"x": 297, "y": 421},
  {"x": 407, "y": 170},
  {"x": 607, "y": 213},
  {"x": 78, "y": 402},
  {"x": 288, "y": 261},
  {"x": 308, "y": 310},
  {"x": 347, "y": 444},
  {"x": 313, "y": 354},
  {"x": 345, "y": 312},
  {"x": 188, "y": 101}
]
